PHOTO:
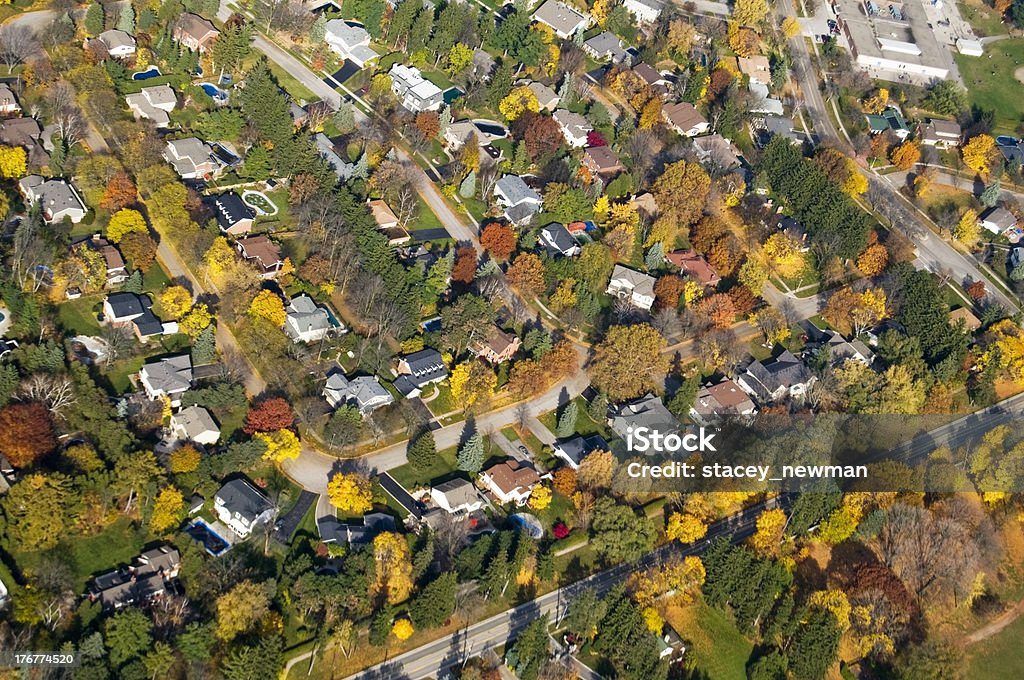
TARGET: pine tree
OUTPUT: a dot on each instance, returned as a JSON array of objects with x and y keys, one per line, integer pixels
[
  {"x": 655, "y": 257},
  {"x": 471, "y": 456},
  {"x": 204, "y": 351},
  {"x": 126, "y": 20},
  {"x": 567, "y": 421},
  {"x": 319, "y": 30},
  {"x": 423, "y": 451},
  {"x": 444, "y": 121},
  {"x": 345, "y": 118},
  {"x": 521, "y": 159},
  {"x": 94, "y": 19},
  {"x": 990, "y": 196},
  {"x": 598, "y": 408},
  {"x": 468, "y": 187},
  {"x": 362, "y": 169},
  {"x": 134, "y": 283},
  {"x": 58, "y": 157}
]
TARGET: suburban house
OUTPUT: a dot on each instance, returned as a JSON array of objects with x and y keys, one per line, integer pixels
[
  {"x": 574, "y": 450},
  {"x": 349, "y": 41},
  {"x": 242, "y": 507},
  {"x": 763, "y": 102},
  {"x": 606, "y": 46},
  {"x": 547, "y": 99},
  {"x": 419, "y": 369},
  {"x": 757, "y": 68},
  {"x": 364, "y": 392},
  {"x": 635, "y": 287},
  {"x": 498, "y": 347},
  {"x": 724, "y": 398},
  {"x": 510, "y": 481},
  {"x": 168, "y": 377},
  {"x": 787, "y": 376},
  {"x": 153, "y": 103},
  {"x": 143, "y": 582},
  {"x": 387, "y": 222},
  {"x": 563, "y": 20},
  {"x": 521, "y": 202},
  {"x": 942, "y": 134},
  {"x": 575, "y": 128},
  {"x": 601, "y": 160},
  {"x": 646, "y": 11},
  {"x": 456, "y": 496},
  {"x": 841, "y": 350},
  {"x": 23, "y": 132},
  {"x": 306, "y": 321},
  {"x": 890, "y": 119},
  {"x": 325, "y": 147},
  {"x": 233, "y": 215},
  {"x": 718, "y": 151},
  {"x": 648, "y": 411},
  {"x": 414, "y": 91},
  {"x": 122, "y": 309},
  {"x": 192, "y": 158},
  {"x": 460, "y": 132},
  {"x": 262, "y": 253},
  {"x": 117, "y": 43},
  {"x": 557, "y": 240},
  {"x": 194, "y": 32},
  {"x": 971, "y": 322},
  {"x": 763, "y": 128},
  {"x": 355, "y": 535},
  {"x": 693, "y": 264},
  {"x": 8, "y": 102},
  {"x": 997, "y": 220},
  {"x": 195, "y": 424},
  {"x": 652, "y": 77},
  {"x": 57, "y": 199},
  {"x": 685, "y": 119},
  {"x": 117, "y": 273}
]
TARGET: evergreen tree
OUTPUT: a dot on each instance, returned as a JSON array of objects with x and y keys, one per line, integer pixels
[
  {"x": 655, "y": 257},
  {"x": 204, "y": 351},
  {"x": 147, "y": 19},
  {"x": 419, "y": 34},
  {"x": 468, "y": 187},
  {"x": 257, "y": 164},
  {"x": 345, "y": 117},
  {"x": 530, "y": 650},
  {"x": 598, "y": 408},
  {"x": 471, "y": 456},
  {"x": 362, "y": 168},
  {"x": 94, "y": 19},
  {"x": 990, "y": 196},
  {"x": 815, "y": 646},
  {"x": 134, "y": 283},
  {"x": 444, "y": 121},
  {"x": 436, "y": 602},
  {"x": 501, "y": 84},
  {"x": 319, "y": 30},
  {"x": 567, "y": 421},
  {"x": 401, "y": 22},
  {"x": 126, "y": 19},
  {"x": 521, "y": 159},
  {"x": 423, "y": 451},
  {"x": 58, "y": 158},
  {"x": 380, "y": 626}
]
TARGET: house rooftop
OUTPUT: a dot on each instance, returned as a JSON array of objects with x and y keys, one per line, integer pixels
[
  {"x": 509, "y": 475},
  {"x": 694, "y": 264},
  {"x": 262, "y": 249},
  {"x": 458, "y": 491},
  {"x": 603, "y": 158},
  {"x": 516, "y": 190},
  {"x": 559, "y": 16},
  {"x": 241, "y": 497}
]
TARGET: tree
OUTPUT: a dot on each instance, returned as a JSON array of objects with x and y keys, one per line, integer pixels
[
  {"x": 519, "y": 100},
  {"x": 946, "y": 97},
  {"x": 269, "y": 414},
  {"x": 815, "y": 646},
  {"x": 436, "y": 602},
  {"x": 770, "y": 524},
  {"x": 472, "y": 382},
  {"x": 268, "y": 305},
  {"x": 402, "y": 629},
  {"x": 968, "y": 228},
  {"x": 498, "y": 239},
  {"x": 595, "y": 471},
  {"x": 906, "y": 155},
  {"x": 564, "y": 481},
  {"x": 393, "y": 577},
  {"x": 541, "y": 135},
  {"x": 120, "y": 192},
  {"x": 540, "y": 497},
  {"x": 26, "y": 433},
  {"x": 619, "y": 534},
  {"x": 173, "y": 302},
  {"x": 351, "y": 493},
  {"x": 168, "y": 508},
  {"x": 790, "y": 27},
  {"x": 629, "y": 362},
  {"x": 195, "y": 321},
  {"x": 873, "y": 260},
  {"x": 567, "y": 421},
  {"x": 990, "y": 195},
  {"x": 464, "y": 269},
  {"x": 979, "y": 154},
  {"x": 529, "y": 651},
  {"x": 281, "y": 445},
  {"x": 240, "y": 609},
  {"x": 125, "y": 221},
  {"x": 718, "y": 310},
  {"x": 126, "y": 19},
  {"x": 13, "y": 162},
  {"x": 423, "y": 451},
  {"x": 682, "y": 191},
  {"x": 184, "y": 459},
  {"x": 36, "y": 510},
  {"x": 139, "y": 250},
  {"x": 685, "y": 528},
  {"x": 127, "y": 636},
  {"x": 750, "y": 12},
  {"x": 470, "y": 457},
  {"x": 94, "y": 19},
  {"x": 527, "y": 273}
]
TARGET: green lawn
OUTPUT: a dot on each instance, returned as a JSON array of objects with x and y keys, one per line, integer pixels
[
  {"x": 79, "y": 316},
  {"x": 155, "y": 279},
  {"x": 425, "y": 218},
  {"x": 584, "y": 425},
  {"x": 444, "y": 402},
  {"x": 443, "y": 467},
  {"x": 983, "y": 19},
  {"x": 1001, "y": 651},
  {"x": 991, "y": 83},
  {"x": 720, "y": 650}
]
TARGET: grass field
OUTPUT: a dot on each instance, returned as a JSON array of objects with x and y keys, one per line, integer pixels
[
  {"x": 983, "y": 19},
  {"x": 584, "y": 425},
  {"x": 1001, "y": 651},
  {"x": 443, "y": 467},
  {"x": 720, "y": 650},
  {"x": 991, "y": 84}
]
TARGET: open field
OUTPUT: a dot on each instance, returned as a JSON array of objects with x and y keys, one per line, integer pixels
[{"x": 991, "y": 83}]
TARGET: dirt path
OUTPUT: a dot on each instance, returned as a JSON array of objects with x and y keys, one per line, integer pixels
[{"x": 996, "y": 625}]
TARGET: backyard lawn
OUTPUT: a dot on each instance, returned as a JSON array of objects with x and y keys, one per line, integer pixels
[
  {"x": 584, "y": 425},
  {"x": 1000, "y": 651},
  {"x": 442, "y": 468},
  {"x": 721, "y": 651},
  {"x": 991, "y": 83}
]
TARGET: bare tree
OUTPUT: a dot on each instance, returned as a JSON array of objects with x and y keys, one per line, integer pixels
[
  {"x": 55, "y": 392},
  {"x": 17, "y": 42},
  {"x": 450, "y": 537},
  {"x": 317, "y": 114},
  {"x": 405, "y": 204}
]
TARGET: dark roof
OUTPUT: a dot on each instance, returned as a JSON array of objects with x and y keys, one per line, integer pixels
[
  {"x": 579, "y": 447},
  {"x": 424, "y": 366},
  {"x": 148, "y": 324},
  {"x": 557, "y": 239},
  {"x": 231, "y": 210},
  {"x": 785, "y": 371},
  {"x": 240, "y": 496},
  {"x": 126, "y": 304}
]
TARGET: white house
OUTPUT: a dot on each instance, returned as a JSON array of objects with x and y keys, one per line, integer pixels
[
  {"x": 242, "y": 507},
  {"x": 998, "y": 220},
  {"x": 349, "y": 41},
  {"x": 118, "y": 43},
  {"x": 169, "y": 377},
  {"x": 153, "y": 103},
  {"x": 563, "y": 20},
  {"x": 414, "y": 91},
  {"x": 364, "y": 392},
  {"x": 307, "y": 321},
  {"x": 195, "y": 424},
  {"x": 786, "y": 377},
  {"x": 8, "y": 102},
  {"x": 633, "y": 286},
  {"x": 510, "y": 482},
  {"x": 57, "y": 198},
  {"x": 645, "y": 11},
  {"x": 574, "y": 127},
  {"x": 685, "y": 119},
  {"x": 456, "y": 496},
  {"x": 557, "y": 240}
]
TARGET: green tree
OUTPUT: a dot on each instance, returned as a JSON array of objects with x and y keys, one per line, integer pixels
[
  {"x": 258, "y": 164},
  {"x": 529, "y": 651},
  {"x": 567, "y": 421},
  {"x": 436, "y": 602},
  {"x": 946, "y": 97},
  {"x": 204, "y": 350},
  {"x": 815, "y": 646},
  {"x": 629, "y": 362},
  {"x": 585, "y": 613},
  {"x": 423, "y": 451},
  {"x": 36, "y": 510},
  {"x": 94, "y": 19},
  {"x": 619, "y": 534},
  {"x": 126, "y": 19},
  {"x": 624, "y": 638},
  {"x": 128, "y": 635},
  {"x": 470, "y": 457}
]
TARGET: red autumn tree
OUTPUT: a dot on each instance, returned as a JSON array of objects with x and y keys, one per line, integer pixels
[
  {"x": 541, "y": 134},
  {"x": 120, "y": 192},
  {"x": 269, "y": 415},
  {"x": 464, "y": 268},
  {"x": 595, "y": 138},
  {"x": 743, "y": 300},
  {"x": 428, "y": 124},
  {"x": 668, "y": 290},
  {"x": 976, "y": 289},
  {"x": 498, "y": 240},
  {"x": 718, "y": 310},
  {"x": 26, "y": 433}
]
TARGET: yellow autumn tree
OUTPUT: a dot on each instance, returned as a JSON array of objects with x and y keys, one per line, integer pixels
[
  {"x": 174, "y": 302},
  {"x": 873, "y": 260},
  {"x": 472, "y": 382},
  {"x": 750, "y": 12},
  {"x": 685, "y": 528},
  {"x": 402, "y": 629},
  {"x": 564, "y": 296},
  {"x": 269, "y": 306},
  {"x": 517, "y": 102},
  {"x": 124, "y": 222},
  {"x": 979, "y": 153},
  {"x": 601, "y": 209},
  {"x": 13, "y": 162},
  {"x": 600, "y": 10},
  {"x": 790, "y": 27},
  {"x": 351, "y": 493},
  {"x": 783, "y": 255},
  {"x": 540, "y": 497},
  {"x": 195, "y": 321},
  {"x": 967, "y": 229},
  {"x": 219, "y": 260},
  {"x": 650, "y": 115},
  {"x": 1006, "y": 350},
  {"x": 167, "y": 510},
  {"x": 184, "y": 459},
  {"x": 906, "y": 155},
  {"x": 877, "y": 102},
  {"x": 393, "y": 575},
  {"x": 835, "y": 601},
  {"x": 766, "y": 539},
  {"x": 281, "y": 445},
  {"x": 653, "y": 620}
]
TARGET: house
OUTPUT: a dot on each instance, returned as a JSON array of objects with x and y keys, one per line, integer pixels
[
  {"x": 118, "y": 43},
  {"x": 194, "y": 32},
  {"x": 521, "y": 202},
  {"x": 483, "y": 65},
  {"x": 8, "y": 102},
  {"x": 456, "y": 496},
  {"x": 233, "y": 215},
  {"x": 785, "y": 377},
  {"x": 510, "y": 481},
  {"x": 635, "y": 287},
  {"x": 497, "y": 347},
  {"x": 23, "y": 132},
  {"x": 364, "y": 392},
  {"x": 684, "y": 118},
  {"x": 841, "y": 350},
  {"x": 261, "y": 252},
  {"x": 419, "y": 369},
  {"x": 387, "y": 222},
  {"x": 601, "y": 160},
  {"x": 756, "y": 68},
  {"x": 349, "y": 41},
  {"x": 890, "y": 119},
  {"x": 195, "y": 424},
  {"x": 351, "y": 534},
  {"x": 646, "y": 204},
  {"x": 192, "y": 158},
  {"x": 414, "y": 91},
  {"x": 575, "y": 128},
  {"x": 692, "y": 263},
  {"x": 547, "y": 99},
  {"x": 645, "y": 11},
  {"x": 722, "y": 399},
  {"x": 574, "y": 450},
  {"x": 460, "y": 132},
  {"x": 563, "y": 20},
  {"x": 717, "y": 150},
  {"x": 648, "y": 411},
  {"x": 763, "y": 128},
  {"x": 122, "y": 309},
  {"x": 117, "y": 273},
  {"x": 153, "y": 103},
  {"x": 942, "y": 134},
  {"x": 325, "y": 147},
  {"x": 143, "y": 582},
  {"x": 606, "y": 46},
  {"x": 557, "y": 240},
  {"x": 168, "y": 377},
  {"x": 57, "y": 199},
  {"x": 998, "y": 220},
  {"x": 306, "y": 321},
  {"x": 242, "y": 507},
  {"x": 652, "y": 77},
  {"x": 971, "y": 322},
  {"x": 763, "y": 102}
]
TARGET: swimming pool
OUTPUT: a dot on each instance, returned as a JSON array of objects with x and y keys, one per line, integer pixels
[
  {"x": 211, "y": 540},
  {"x": 151, "y": 72},
  {"x": 1006, "y": 140},
  {"x": 219, "y": 95}
]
